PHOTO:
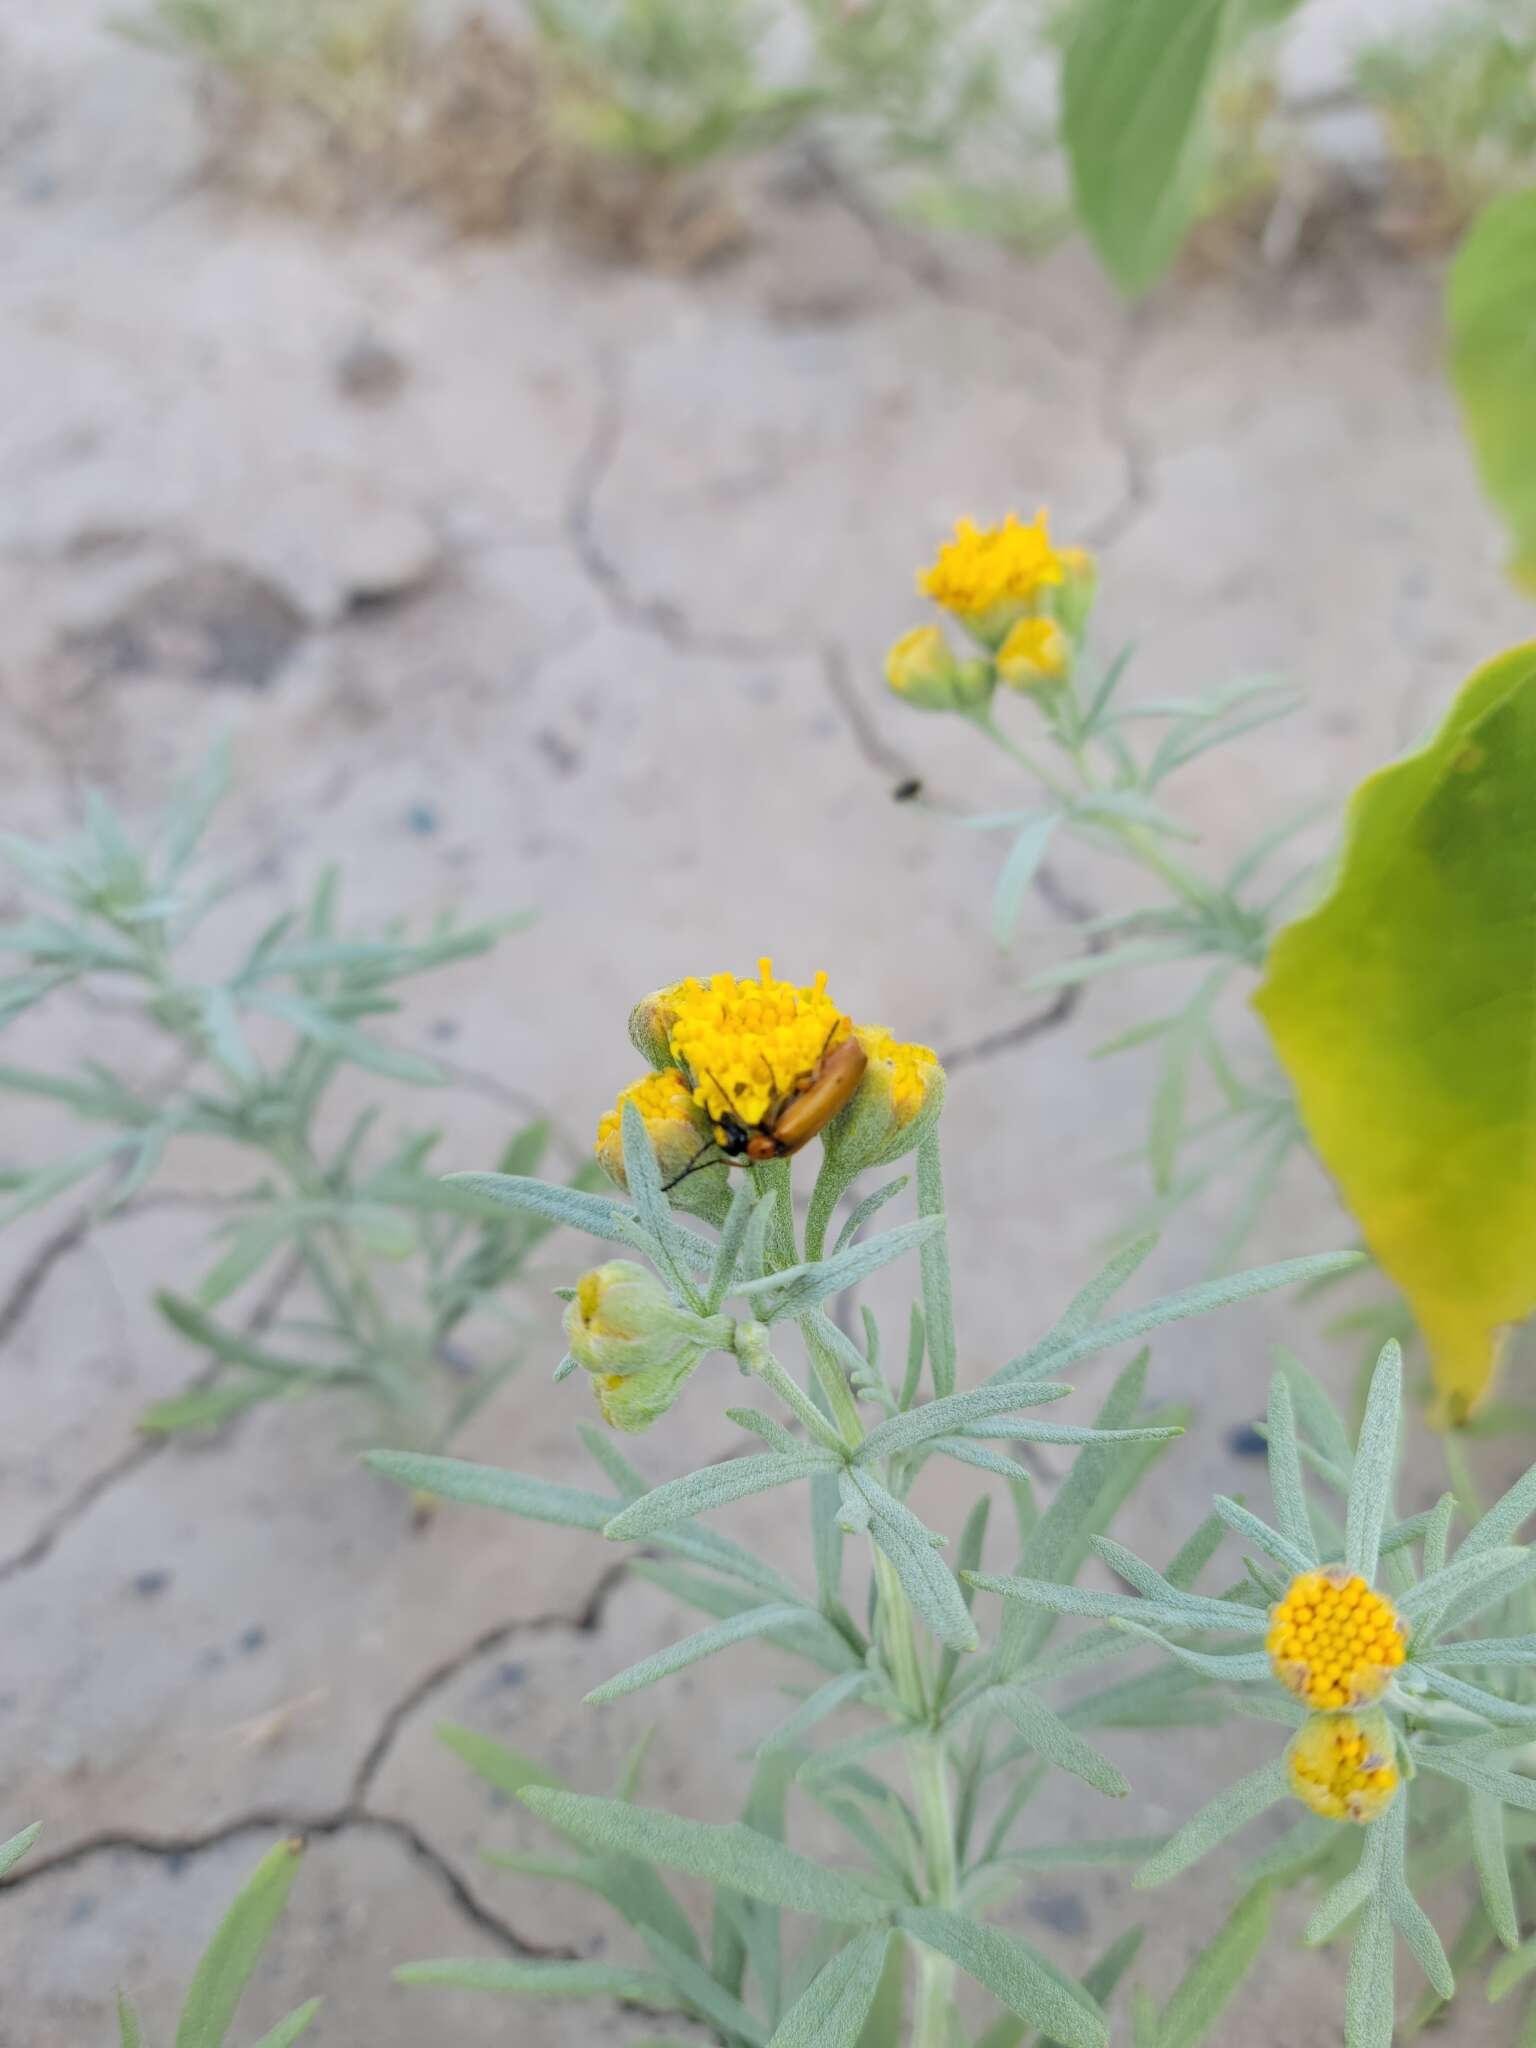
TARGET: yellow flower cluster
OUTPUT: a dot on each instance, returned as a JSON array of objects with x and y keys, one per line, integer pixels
[
  {"x": 911, "y": 1069},
  {"x": 747, "y": 1043},
  {"x": 1333, "y": 1641},
  {"x": 982, "y": 568},
  {"x": 1341, "y": 1766}
]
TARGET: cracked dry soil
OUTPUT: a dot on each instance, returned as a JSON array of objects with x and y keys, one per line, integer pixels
[{"x": 590, "y": 601}]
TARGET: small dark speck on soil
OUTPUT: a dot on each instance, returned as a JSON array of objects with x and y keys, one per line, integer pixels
[
  {"x": 83, "y": 1909},
  {"x": 1246, "y": 1441},
  {"x": 253, "y": 1639},
  {"x": 511, "y": 1674},
  {"x": 148, "y": 1584},
  {"x": 423, "y": 819}
]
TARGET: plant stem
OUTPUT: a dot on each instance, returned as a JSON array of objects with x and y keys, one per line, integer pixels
[{"x": 928, "y": 1762}]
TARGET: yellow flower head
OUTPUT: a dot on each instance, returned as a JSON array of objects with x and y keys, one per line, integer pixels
[
  {"x": 1341, "y": 1766},
  {"x": 746, "y": 1044},
  {"x": 988, "y": 577},
  {"x": 678, "y": 1129},
  {"x": 1334, "y": 1642},
  {"x": 1035, "y": 651}
]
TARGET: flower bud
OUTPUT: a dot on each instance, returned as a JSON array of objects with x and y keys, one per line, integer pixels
[
  {"x": 633, "y": 1401},
  {"x": 681, "y": 1136},
  {"x": 901, "y": 1094},
  {"x": 622, "y": 1321},
  {"x": 650, "y": 1023},
  {"x": 1072, "y": 600},
  {"x": 1036, "y": 654},
  {"x": 1344, "y": 1766},
  {"x": 923, "y": 672}
]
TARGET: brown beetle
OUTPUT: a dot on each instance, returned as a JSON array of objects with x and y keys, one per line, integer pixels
[
  {"x": 796, "y": 1118},
  {"x": 793, "y": 1120}
]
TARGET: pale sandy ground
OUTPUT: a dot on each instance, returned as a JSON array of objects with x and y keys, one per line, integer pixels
[{"x": 645, "y": 538}]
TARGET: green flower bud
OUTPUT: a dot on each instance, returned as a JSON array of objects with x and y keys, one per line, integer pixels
[
  {"x": 1037, "y": 655},
  {"x": 633, "y": 1401},
  {"x": 621, "y": 1321},
  {"x": 1072, "y": 599},
  {"x": 922, "y": 670},
  {"x": 896, "y": 1102},
  {"x": 650, "y": 1023},
  {"x": 682, "y": 1137}
]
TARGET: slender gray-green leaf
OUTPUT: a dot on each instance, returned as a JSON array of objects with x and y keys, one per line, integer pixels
[
  {"x": 799, "y": 1288},
  {"x": 225, "y": 1969},
  {"x": 1425, "y": 1604},
  {"x": 598, "y": 1215},
  {"x": 1502, "y": 1712},
  {"x": 1052, "y": 1352},
  {"x": 1049, "y": 1736},
  {"x": 1084, "y": 1308},
  {"x": 1208, "y": 1987},
  {"x": 831, "y": 2011},
  {"x": 740, "y": 1628},
  {"x": 744, "y": 1202},
  {"x": 1492, "y": 1859},
  {"x": 11, "y": 1852},
  {"x": 702, "y": 1992},
  {"x": 868, "y": 1209},
  {"x": 1223, "y": 1816},
  {"x": 680, "y": 1499},
  {"x": 1488, "y": 1650},
  {"x": 313, "y": 1022},
  {"x": 1450, "y": 1762},
  {"x": 937, "y": 1282},
  {"x": 1191, "y": 1611},
  {"x": 1504, "y": 1519},
  {"x": 1018, "y": 871},
  {"x": 1369, "y": 2000},
  {"x": 1370, "y": 1479},
  {"x": 1285, "y": 1481},
  {"x": 485, "y": 1486},
  {"x": 927, "y": 1581},
  {"x": 737, "y": 1857},
  {"x": 531, "y": 1979},
  {"x": 226, "y": 1040},
  {"x": 1247, "y": 1525},
  {"x": 129, "y": 2032},
  {"x": 1027, "y": 1982},
  {"x": 507, "y": 1769},
  {"x": 825, "y": 1700},
  {"x": 1425, "y": 1945},
  {"x": 287, "y": 2031}
]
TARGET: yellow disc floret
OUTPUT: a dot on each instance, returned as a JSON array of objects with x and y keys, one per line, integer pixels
[
  {"x": 747, "y": 1045},
  {"x": 1333, "y": 1641},
  {"x": 983, "y": 568},
  {"x": 1341, "y": 1766}
]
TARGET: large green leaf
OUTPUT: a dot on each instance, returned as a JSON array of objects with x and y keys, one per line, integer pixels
[
  {"x": 1135, "y": 88},
  {"x": 1404, "y": 1010},
  {"x": 1491, "y": 313}
]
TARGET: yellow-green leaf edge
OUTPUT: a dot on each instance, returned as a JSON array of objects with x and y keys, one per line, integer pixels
[{"x": 1403, "y": 1008}]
